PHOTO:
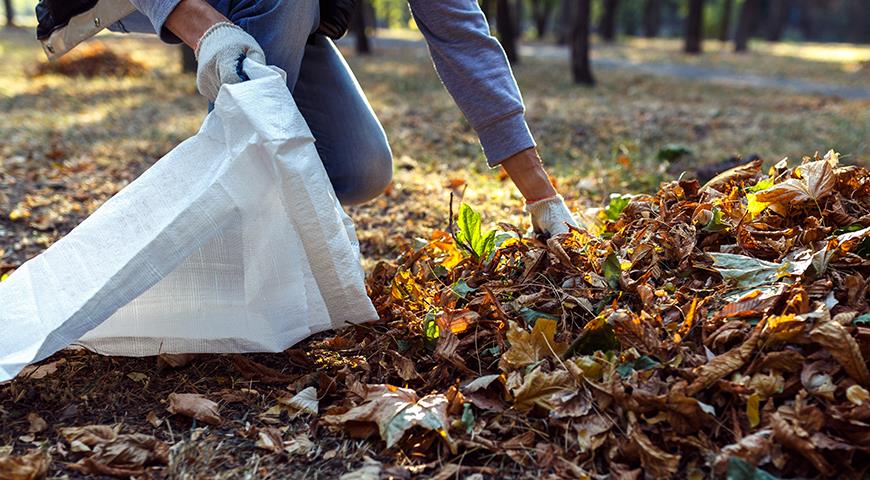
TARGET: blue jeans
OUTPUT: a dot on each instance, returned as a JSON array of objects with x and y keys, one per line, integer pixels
[{"x": 349, "y": 138}]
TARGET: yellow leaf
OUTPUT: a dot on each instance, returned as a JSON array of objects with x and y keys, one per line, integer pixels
[
  {"x": 754, "y": 206},
  {"x": 752, "y": 410}
]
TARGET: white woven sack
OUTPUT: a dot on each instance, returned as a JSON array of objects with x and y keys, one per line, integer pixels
[{"x": 232, "y": 242}]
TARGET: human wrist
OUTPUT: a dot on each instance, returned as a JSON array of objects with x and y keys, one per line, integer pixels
[{"x": 191, "y": 19}]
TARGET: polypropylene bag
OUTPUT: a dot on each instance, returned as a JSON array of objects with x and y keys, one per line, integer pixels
[{"x": 232, "y": 242}]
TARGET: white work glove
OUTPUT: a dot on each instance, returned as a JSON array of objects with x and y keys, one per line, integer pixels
[
  {"x": 550, "y": 216},
  {"x": 219, "y": 56}
]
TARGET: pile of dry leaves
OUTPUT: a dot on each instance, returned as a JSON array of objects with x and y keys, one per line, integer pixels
[
  {"x": 703, "y": 330},
  {"x": 93, "y": 59}
]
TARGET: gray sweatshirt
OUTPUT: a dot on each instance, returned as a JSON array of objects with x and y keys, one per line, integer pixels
[{"x": 469, "y": 61}]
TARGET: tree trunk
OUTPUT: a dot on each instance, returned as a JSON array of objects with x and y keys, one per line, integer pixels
[
  {"x": 188, "y": 59},
  {"x": 748, "y": 13},
  {"x": 360, "y": 27},
  {"x": 518, "y": 18},
  {"x": 607, "y": 26},
  {"x": 580, "y": 66},
  {"x": 567, "y": 9},
  {"x": 541, "y": 11},
  {"x": 805, "y": 20},
  {"x": 504, "y": 24},
  {"x": 694, "y": 26},
  {"x": 725, "y": 25},
  {"x": 486, "y": 7},
  {"x": 652, "y": 18},
  {"x": 777, "y": 18},
  {"x": 10, "y": 13}
]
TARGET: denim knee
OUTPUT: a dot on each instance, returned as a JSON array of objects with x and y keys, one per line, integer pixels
[{"x": 365, "y": 172}]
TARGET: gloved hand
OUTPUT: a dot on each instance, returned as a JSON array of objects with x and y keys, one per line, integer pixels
[
  {"x": 550, "y": 216},
  {"x": 219, "y": 54}
]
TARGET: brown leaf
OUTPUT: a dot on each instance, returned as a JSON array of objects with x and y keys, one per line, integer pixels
[
  {"x": 540, "y": 389},
  {"x": 271, "y": 439},
  {"x": 37, "y": 423},
  {"x": 111, "y": 453},
  {"x": 195, "y": 406},
  {"x": 736, "y": 175},
  {"x": 843, "y": 347},
  {"x": 175, "y": 360},
  {"x": 786, "y": 434},
  {"x": 257, "y": 372},
  {"x": 395, "y": 410},
  {"x": 656, "y": 462},
  {"x": 814, "y": 181},
  {"x": 751, "y": 448},
  {"x": 405, "y": 368},
  {"x": 724, "y": 364},
  {"x": 530, "y": 347},
  {"x": 31, "y": 466}
]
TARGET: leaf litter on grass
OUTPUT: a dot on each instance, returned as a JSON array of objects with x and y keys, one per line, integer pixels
[
  {"x": 647, "y": 343},
  {"x": 703, "y": 331}
]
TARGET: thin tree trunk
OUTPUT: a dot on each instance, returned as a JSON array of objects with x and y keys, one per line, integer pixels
[
  {"x": 694, "y": 26},
  {"x": 504, "y": 24},
  {"x": 777, "y": 18},
  {"x": 805, "y": 20},
  {"x": 10, "y": 13},
  {"x": 541, "y": 11},
  {"x": 725, "y": 25},
  {"x": 607, "y": 26},
  {"x": 486, "y": 7},
  {"x": 360, "y": 26},
  {"x": 652, "y": 18},
  {"x": 748, "y": 14},
  {"x": 188, "y": 59},
  {"x": 580, "y": 66}
]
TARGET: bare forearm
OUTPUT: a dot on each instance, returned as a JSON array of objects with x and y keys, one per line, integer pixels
[
  {"x": 527, "y": 172},
  {"x": 191, "y": 18}
]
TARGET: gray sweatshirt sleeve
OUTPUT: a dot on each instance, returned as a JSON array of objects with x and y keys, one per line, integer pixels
[
  {"x": 157, "y": 11},
  {"x": 473, "y": 67}
]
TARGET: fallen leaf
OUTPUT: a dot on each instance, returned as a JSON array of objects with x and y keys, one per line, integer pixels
[
  {"x": 257, "y": 372},
  {"x": 843, "y": 347},
  {"x": 37, "y": 423},
  {"x": 271, "y": 439},
  {"x": 195, "y": 406},
  {"x": 395, "y": 410},
  {"x": 530, "y": 347},
  {"x": 540, "y": 389},
  {"x": 32, "y": 466},
  {"x": 724, "y": 364},
  {"x": 857, "y": 394},
  {"x": 813, "y": 181}
]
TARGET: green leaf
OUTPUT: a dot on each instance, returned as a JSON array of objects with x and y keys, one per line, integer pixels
[
  {"x": 617, "y": 204},
  {"x": 740, "y": 469},
  {"x": 862, "y": 320},
  {"x": 761, "y": 185},
  {"x": 461, "y": 289},
  {"x": 529, "y": 316},
  {"x": 849, "y": 229},
  {"x": 642, "y": 363},
  {"x": 469, "y": 225},
  {"x": 612, "y": 270},
  {"x": 747, "y": 272},
  {"x": 715, "y": 224},
  {"x": 430, "y": 327},
  {"x": 671, "y": 152},
  {"x": 468, "y": 418},
  {"x": 486, "y": 245}
]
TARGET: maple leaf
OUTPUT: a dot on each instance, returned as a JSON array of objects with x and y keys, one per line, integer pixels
[
  {"x": 813, "y": 181},
  {"x": 530, "y": 347},
  {"x": 541, "y": 389}
]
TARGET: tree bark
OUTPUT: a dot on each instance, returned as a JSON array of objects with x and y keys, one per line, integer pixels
[
  {"x": 652, "y": 18},
  {"x": 777, "y": 18},
  {"x": 748, "y": 14},
  {"x": 518, "y": 18},
  {"x": 567, "y": 10},
  {"x": 541, "y": 11},
  {"x": 504, "y": 24},
  {"x": 580, "y": 66},
  {"x": 725, "y": 25},
  {"x": 188, "y": 59},
  {"x": 10, "y": 13},
  {"x": 607, "y": 26},
  {"x": 360, "y": 27},
  {"x": 486, "y": 7},
  {"x": 694, "y": 26}
]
